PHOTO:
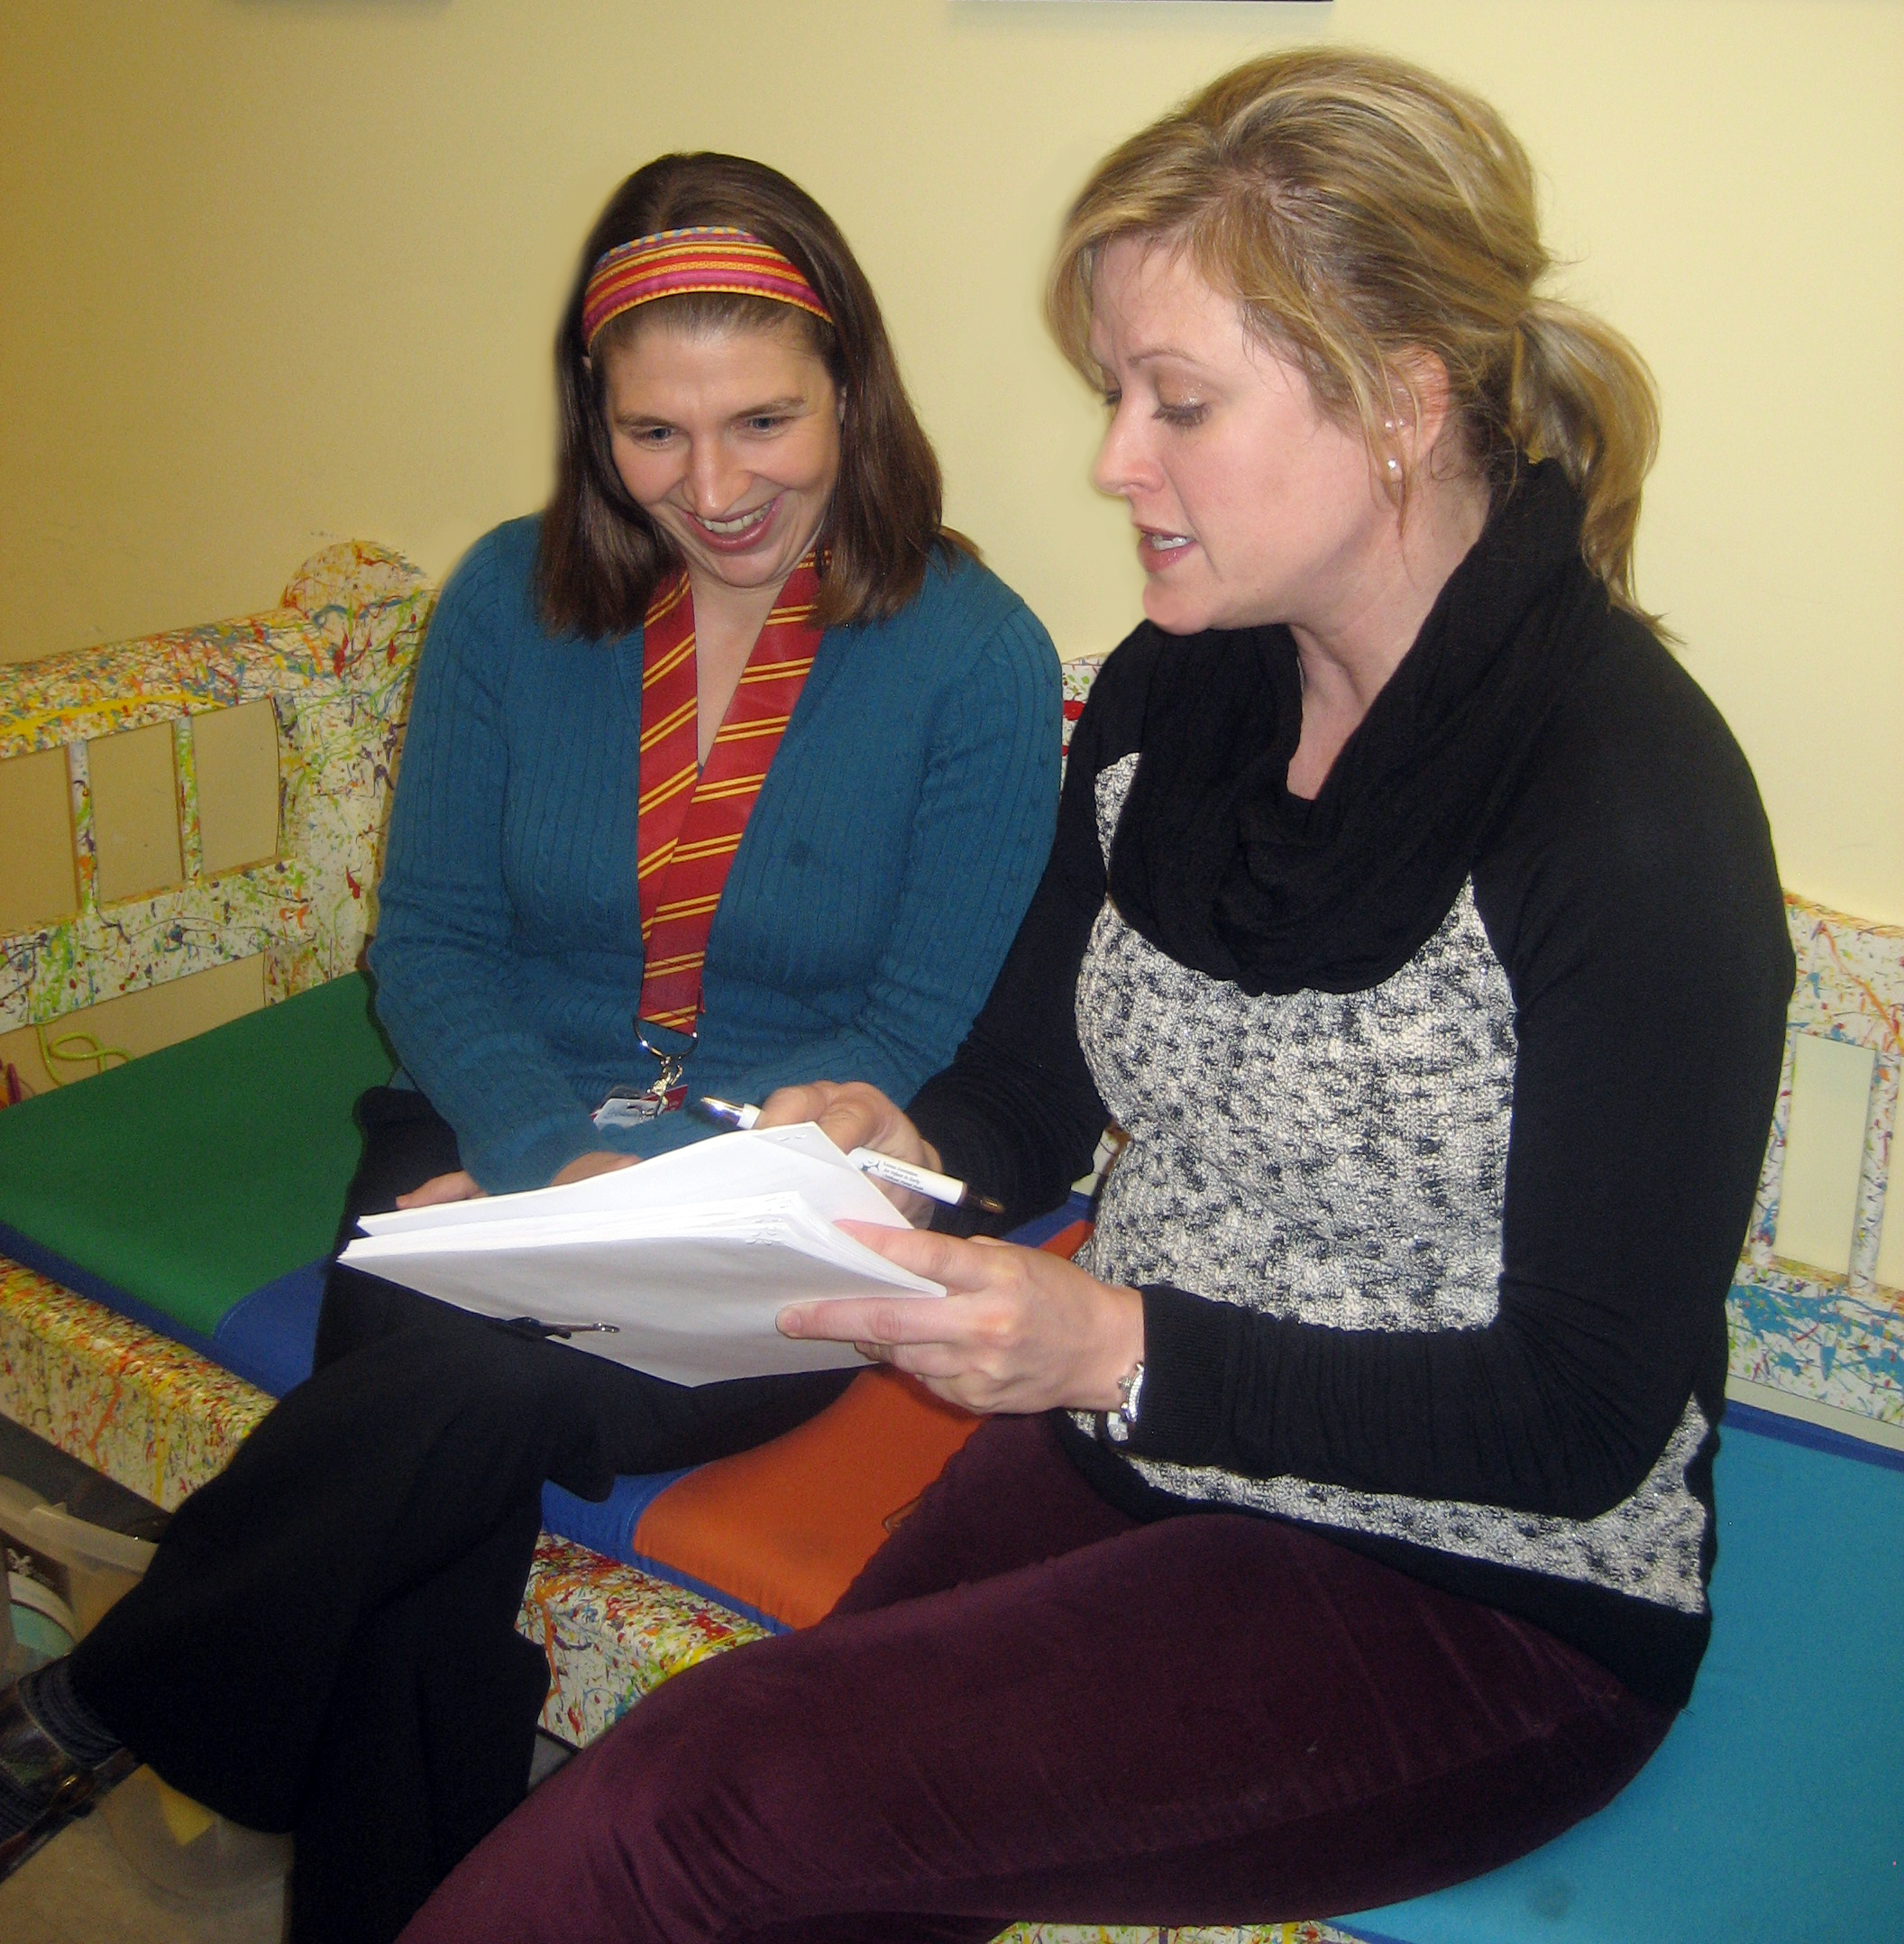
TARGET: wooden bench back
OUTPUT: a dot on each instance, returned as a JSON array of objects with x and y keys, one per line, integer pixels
[{"x": 334, "y": 661}]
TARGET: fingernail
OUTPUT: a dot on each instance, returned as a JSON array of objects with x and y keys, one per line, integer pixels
[{"x": 788, "y": 1322}]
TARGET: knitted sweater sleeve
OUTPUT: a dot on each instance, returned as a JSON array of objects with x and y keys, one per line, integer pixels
[{"x": 447, "y": 964}]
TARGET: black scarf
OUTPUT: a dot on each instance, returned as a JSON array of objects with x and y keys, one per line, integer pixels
[{"x": 1216, "y": 863}]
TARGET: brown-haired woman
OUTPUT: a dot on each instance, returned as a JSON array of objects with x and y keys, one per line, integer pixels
[
  {"x": 600, "y": 553},
  {"x": 737, "y": 737},
  {"x": 1344, "y": 1526}
]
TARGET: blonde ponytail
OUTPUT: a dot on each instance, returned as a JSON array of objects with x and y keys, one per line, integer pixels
[
  {"x": 1364, "y": 211},
  {"x": 1579, "y": 393}
]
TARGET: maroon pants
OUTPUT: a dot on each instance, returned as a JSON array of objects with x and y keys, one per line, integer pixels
[{"x": 1029, "y": 1705}]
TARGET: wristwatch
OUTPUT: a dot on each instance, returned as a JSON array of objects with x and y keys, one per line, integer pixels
[{"x": 1121, "y": 1423}]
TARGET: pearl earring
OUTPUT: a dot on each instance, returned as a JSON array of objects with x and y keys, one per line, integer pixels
[{"x": 1392, "y": 426}]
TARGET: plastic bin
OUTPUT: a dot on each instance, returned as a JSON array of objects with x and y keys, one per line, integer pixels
[{"x": 83, "y": 1568}]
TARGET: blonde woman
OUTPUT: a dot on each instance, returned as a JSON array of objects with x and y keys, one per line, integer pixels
[{"x": 1344, "y": 1524}]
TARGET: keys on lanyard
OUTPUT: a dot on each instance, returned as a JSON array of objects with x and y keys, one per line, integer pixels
[{"x": 669, "y": 1048}]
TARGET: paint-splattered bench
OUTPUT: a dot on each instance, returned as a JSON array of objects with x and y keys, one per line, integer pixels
[{"x": 161, "y": 1284}]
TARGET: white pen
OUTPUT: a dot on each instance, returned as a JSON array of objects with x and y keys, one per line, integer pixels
[{"x": 898, "y": 1174}]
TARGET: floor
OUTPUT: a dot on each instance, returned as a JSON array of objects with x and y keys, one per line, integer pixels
[
  {"x": 81, "y": 1889},
  {"x": 88, "y": 1885}
]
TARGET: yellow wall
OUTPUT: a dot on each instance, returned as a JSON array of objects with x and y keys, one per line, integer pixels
[{"x": 281, "y": 271}]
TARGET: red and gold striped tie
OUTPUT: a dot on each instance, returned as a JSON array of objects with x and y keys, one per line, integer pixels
[{"x": 691, "y": 821}]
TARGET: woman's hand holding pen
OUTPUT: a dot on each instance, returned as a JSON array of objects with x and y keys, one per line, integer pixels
[
  {"x": 853, "y": 1114},
  {"x": 1019, "y": 1330}
]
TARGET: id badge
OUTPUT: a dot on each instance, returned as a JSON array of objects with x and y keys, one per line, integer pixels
[{"x": 630, "y": 1106}]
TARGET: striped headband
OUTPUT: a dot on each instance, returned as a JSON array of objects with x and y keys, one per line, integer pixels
[{"x": 672, "y": 262}]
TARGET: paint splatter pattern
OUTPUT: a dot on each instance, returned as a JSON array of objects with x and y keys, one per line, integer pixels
[
  {"x": 335, "y": 662},
  {"x": 1833, "y": 1340}
]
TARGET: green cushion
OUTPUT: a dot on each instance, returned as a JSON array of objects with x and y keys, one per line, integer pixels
[{"x": 199, "y": 1173}]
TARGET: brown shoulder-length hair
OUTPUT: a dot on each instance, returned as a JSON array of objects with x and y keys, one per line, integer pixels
[{"x": 601, "y": 555}]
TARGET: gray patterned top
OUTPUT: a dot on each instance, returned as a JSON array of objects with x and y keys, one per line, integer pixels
[{"x": 1341, "y": 1160}]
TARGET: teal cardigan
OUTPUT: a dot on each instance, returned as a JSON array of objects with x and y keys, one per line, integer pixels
[{"x": 893, "y": 849}]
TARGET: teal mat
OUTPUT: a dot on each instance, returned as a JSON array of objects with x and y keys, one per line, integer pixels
[
  {"x": 190, "y": 1178},
  {"x": 1774, "y": 1811}
]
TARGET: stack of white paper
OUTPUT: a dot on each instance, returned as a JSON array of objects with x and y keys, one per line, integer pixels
[{"x": 688, "y": 1256}]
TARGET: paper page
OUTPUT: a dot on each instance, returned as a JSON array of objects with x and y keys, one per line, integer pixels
[
  {"x": 692, "y": 1292},
  {"x": 799, "y": 1159},
  {"x": 737, "y": 1216}
]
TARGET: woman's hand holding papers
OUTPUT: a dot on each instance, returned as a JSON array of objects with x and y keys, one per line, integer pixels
[
  {"x": 461, "y": 1186},
  {"x": 457, "y": 1187},
  {"x": 598, "y": 1162},
  {"x": 1019, "y": 1330}
]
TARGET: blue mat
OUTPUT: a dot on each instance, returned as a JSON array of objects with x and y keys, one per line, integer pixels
[
  {"x": 1774, "y": 1811},
  {"x": 268, "y": 1337}
]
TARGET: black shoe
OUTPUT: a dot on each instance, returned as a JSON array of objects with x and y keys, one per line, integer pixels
[{"x": 39, "y": 1779}]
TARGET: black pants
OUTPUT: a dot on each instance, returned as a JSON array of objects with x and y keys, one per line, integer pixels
[{"x": 325, "y": 1642}]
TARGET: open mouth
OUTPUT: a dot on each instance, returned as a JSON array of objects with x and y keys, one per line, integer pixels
[
  {"x": 1161, "y": 547},
  {"x": 742, "y": 527}
]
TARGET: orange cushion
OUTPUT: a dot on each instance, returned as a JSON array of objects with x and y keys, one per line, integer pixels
[{"x": 786, "y": 1527}]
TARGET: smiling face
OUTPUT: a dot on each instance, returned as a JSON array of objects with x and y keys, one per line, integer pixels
[
  {"x": 1251, "y": 505},
  {"x": 729, "y": 439}
]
